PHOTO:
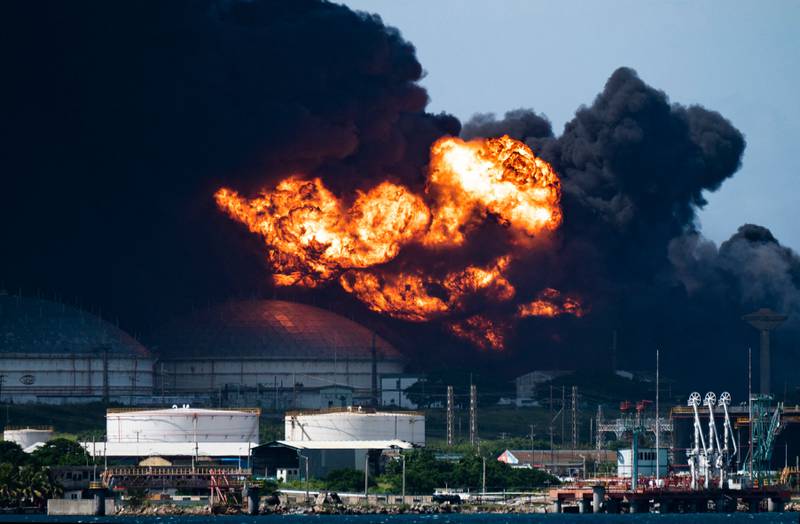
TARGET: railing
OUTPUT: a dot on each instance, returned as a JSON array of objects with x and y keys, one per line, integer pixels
[
  {"x": 351, "y": 409},
  {"x": 257, "y": 411},
  {"x": 174, "y": 471}
]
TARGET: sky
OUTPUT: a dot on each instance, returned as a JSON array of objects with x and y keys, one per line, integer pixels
[{"x": 739, "y": 58}]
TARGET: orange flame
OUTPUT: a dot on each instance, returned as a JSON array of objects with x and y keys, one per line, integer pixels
[
  {"x": 312, "y": 236},
  {"x": 499, "y": 176},
  {"x": 551, "y": 303},
  {"x": 481, "y": 332}
]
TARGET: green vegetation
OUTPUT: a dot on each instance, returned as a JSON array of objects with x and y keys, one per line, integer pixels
[
  {"x": 25, "y": 480},
  {"x": 424, "y": 473},
  {"x": 347, "y": 480},
  {"x": 60, "y": 452}
]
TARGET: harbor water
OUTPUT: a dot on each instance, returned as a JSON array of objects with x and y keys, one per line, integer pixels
[{"x": 652, "y": 518}]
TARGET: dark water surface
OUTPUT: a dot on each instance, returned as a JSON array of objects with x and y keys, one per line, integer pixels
[{"x": 653, "y": 518}]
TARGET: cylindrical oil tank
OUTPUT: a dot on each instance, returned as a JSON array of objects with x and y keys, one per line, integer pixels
[
  {"x": 182, "y": 424},
  {"x": 355, "y": 425},
  {"x": 27, "y": 437}
]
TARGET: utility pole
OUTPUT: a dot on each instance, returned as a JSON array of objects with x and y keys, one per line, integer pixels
[
  {"x": 366, "y": 477},
  {"x": 750, "y": 405},
  {"x": 531, "y": 426},
  {"x": 658, "y": 428},
  {"x": 483, "y": 492},
  {"x": 550, "y": 427},
  {"x": 574, "y": 418},
  {"x": 473, "y": 414},
  {"x": 563, "y": 411},
  {"x": 404, "y": 475},
  {"x": 449, "y": 415},
  {"x": 599, "y": 435}
]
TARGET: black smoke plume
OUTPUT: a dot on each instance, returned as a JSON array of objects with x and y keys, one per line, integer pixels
[
  {"x": 123, "y": 118},
  {"x": 634, "y": 169}
]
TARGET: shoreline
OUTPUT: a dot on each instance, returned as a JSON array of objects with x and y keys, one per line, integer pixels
[{"x": 344, "y": 509}]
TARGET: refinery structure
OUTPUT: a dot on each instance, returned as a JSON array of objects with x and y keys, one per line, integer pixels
[
  {"x": 182, "y": 423},
  {"x": 269, "y": 353}
]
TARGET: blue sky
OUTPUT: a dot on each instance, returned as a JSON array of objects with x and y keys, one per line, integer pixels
[{"x": 739, "y": 58}]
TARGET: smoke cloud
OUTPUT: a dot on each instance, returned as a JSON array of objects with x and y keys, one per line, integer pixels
[
  {"x": 634, "y": 169},
  {"x": 127, "y": 117}
]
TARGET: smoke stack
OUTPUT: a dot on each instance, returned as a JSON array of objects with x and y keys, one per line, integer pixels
[{"x": 764, "y": 320}]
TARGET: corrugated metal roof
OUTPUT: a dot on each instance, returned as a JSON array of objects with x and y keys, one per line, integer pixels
[{"x": 345, "y": 444}]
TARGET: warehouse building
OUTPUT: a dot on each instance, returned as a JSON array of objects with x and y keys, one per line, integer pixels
[
  {"x": 323, "y": 441},
  {"x": 270, "y": 353},
  {"x": 52, "y": 353}
]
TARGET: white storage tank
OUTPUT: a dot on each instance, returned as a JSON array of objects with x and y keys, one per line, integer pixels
[
  {"x": 182, "y": 424},
  {"x": 27, "y": 436},
  {"x": 351, "y": 424}
]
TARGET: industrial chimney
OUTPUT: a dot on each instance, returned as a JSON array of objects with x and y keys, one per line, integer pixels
[{"x": 764, "y": 320}]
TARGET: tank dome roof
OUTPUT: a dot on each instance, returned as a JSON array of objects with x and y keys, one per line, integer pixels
[
  {"x": 269, "y": 329},
  {"x": 35, "y": 325}
]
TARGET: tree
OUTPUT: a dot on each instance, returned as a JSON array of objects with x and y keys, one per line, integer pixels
[
  {"x": 11, "y": 453},
  {"x": 28, "y": 485},
  {"x": 424, "y": 473},
  {"x": 60, "y": 452},
  {"x": 8, "y": 485},
  {"x": 349, "y": 480}
]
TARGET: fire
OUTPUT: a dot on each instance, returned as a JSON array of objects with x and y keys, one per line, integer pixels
[
  {"x": 313, "y": 236},
  {"x": 418, "y": 297},
  {"x": 310, "y": 235},
  {"x": 481, "y": 332},
  {"x": 500, "y": 176},
  {"x": 551, "y": 303}
]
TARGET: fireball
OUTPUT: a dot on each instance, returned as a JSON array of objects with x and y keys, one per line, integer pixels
[{"x": 313, "y": 236}]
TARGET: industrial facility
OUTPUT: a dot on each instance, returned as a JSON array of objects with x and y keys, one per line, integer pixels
[
  {"x": 52, "y": 353},
  {"x": 270, "y": 353},
  {"x": 177, "y": 434},
  {"x": 318, "y": 442},
  {"x": 26, "y": 437}
]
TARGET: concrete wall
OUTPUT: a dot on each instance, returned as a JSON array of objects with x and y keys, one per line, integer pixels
[
  {"x": 77, "y": 507},
  {"x": 64, "y": 378},
  {"x": 209, "y": 375}
]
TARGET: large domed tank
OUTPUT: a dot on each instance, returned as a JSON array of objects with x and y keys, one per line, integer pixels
[
  {"x": 272, "y": 352},
  {"x": 53, "y": 353}
]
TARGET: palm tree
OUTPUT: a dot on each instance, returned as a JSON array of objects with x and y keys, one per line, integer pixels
[
  {"x": 36, "y": 486},
  {"x": 9, "y": 486}
]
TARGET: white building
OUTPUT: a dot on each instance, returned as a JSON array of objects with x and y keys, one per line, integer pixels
[
  {"x": 647, "y": 462},
  {"x": 353, "y": 425},
  {"x": 51, "y": 353},
  {"x": 178, "y": 432},
  {"x": 328, "y": 440},
  {"x": 528, "y": 385},
  {"x": 28, "y": 438}
]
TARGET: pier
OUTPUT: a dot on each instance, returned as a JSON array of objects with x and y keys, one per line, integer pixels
[{"x": 602, "y": 498}]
